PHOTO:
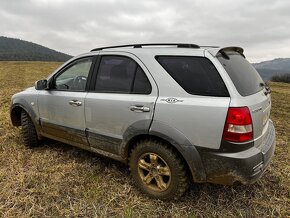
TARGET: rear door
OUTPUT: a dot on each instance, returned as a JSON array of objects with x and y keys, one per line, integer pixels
[
  {"x": 194, "y": 99},
  {"x": 252, "y": 89},
  {"x": 121, "y": 102}
]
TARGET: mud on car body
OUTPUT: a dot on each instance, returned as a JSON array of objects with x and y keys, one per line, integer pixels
[{"x": 175, "y": 113}]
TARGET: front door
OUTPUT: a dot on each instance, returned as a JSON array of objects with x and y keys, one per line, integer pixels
[
  {"x": 61, "y": 108},
  {"x": 121, "y": 103}
]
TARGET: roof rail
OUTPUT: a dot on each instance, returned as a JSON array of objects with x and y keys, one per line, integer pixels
[{"x": 179, "y": 45}]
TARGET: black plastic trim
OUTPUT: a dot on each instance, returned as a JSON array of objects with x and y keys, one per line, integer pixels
[
  {"x": 244, "y": 166},
  {"x": 91, "y": 73},
  {"x": 179, "y": 45},
  {"x": 182, "y": 144},
  {"x": 104, "y": 142},
  {"x": 63, "y": 132},
  {"x": 25, "y": 106},
  {"x": 228, "y": 147},
  {"x": 94, "y": 74}
]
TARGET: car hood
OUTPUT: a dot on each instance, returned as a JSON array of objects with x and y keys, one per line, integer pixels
[{"x": 30, "y": 88}]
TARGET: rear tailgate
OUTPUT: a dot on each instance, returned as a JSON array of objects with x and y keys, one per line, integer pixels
[
  {"x": 253, "y": 92},
  {"x": 259, "y": 105}
]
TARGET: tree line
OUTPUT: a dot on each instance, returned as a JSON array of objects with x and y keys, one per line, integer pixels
[{"x": 281, "y": 78}]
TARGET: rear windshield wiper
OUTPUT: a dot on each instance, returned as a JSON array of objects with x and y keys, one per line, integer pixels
[
  {"x": 225, "y": 56},
  {"x": 267, "y": 88}
]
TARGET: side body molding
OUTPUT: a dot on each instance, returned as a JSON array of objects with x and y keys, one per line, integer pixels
[{"x": 182, "y": 144}]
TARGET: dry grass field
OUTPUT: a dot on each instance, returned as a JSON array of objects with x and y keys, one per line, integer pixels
[{"x": 57, "y": 180}]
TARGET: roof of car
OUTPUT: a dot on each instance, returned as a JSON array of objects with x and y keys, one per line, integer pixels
[
  {"x": 169, "y": 48},
  {"x": 178, "y": 45},
  {"x": 214, "y": 50}
]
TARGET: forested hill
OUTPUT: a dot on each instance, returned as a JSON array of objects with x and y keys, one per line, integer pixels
[
  {"x": 19, "y": 50},
  {"x": 278, "y": 66}
]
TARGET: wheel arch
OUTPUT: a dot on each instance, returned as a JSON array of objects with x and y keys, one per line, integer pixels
[
  {"x": 15, "y": 115},
  {"x": 187, "y": 152}
]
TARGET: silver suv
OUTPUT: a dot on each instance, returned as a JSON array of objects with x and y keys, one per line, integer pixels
[{"x": 175, "y": 113}]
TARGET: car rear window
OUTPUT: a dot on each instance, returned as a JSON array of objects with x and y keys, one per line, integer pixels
[
  {"x": 196, "y": 75},
  {"x": 244, "y": 76}
]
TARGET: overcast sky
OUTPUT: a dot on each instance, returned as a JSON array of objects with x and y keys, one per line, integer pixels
[{"x": 261, "y": 27}]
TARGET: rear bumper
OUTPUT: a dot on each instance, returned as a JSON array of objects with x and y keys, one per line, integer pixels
[{"x": 245, "y": 166}]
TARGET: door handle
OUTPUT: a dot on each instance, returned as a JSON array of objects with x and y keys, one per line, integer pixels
[
  {"x": 139, "y": 108},
  {"x": 75, "y": 103}
]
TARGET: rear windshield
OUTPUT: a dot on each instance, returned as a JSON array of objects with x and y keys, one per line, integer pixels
[
  {"x": 242, "y": 73},
  {"x": 196, "y": 75}
]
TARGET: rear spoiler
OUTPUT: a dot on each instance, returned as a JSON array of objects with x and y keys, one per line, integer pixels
[{"x": 223, "y": 51}]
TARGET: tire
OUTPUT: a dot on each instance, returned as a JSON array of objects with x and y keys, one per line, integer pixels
[
  {"x": 28, "y": 130},
  {"x": 158, "y": 171}
]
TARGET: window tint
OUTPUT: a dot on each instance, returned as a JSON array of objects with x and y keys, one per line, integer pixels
[
  {"x": 141, "y": 84},
  {"x": 196, "y": 75},
  {"x": 122, "y": 75},
  {"x": 75, "y": 76},
  {"x": 242, "y": 73}
]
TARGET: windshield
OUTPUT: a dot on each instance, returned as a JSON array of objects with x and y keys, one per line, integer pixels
[{"x": 244, "y": 76}]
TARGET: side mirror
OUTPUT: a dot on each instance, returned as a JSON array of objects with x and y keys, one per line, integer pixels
[{"x": 41, "y": 84}]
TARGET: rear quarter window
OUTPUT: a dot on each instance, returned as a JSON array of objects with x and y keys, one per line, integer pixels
[
  {"x": 196, "y": 75},
  {"x": 244, "y": 76}
]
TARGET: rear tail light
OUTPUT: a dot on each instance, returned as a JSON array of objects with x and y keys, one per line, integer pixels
[{"x": 238, "y": 126}]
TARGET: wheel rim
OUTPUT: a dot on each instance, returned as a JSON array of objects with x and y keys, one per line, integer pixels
[{"x": 154, "y": 172}]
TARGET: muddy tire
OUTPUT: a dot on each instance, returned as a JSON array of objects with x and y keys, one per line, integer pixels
[
  {"x": 28, "y": 130},
  {"x": 158, "y": 171}
]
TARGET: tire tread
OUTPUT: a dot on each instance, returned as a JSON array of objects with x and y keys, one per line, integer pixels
[{"x": 28, "y": 130}]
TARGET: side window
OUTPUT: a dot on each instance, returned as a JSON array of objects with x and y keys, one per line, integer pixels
[
  {"x": 119, "y": 74},
  {"x": 75, "y": 76},
  {"x": 141, "y": 84},
  {"x": 196, "y": 75}
]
